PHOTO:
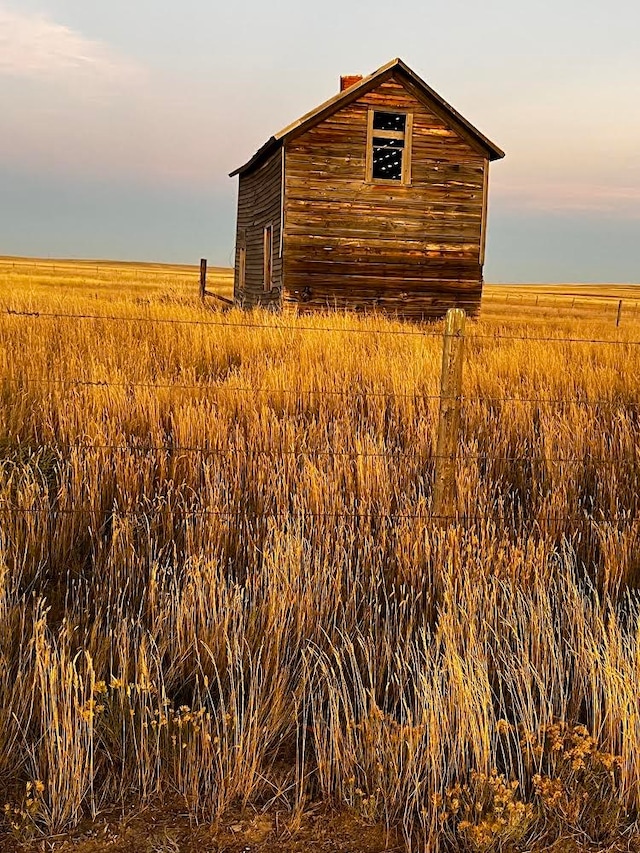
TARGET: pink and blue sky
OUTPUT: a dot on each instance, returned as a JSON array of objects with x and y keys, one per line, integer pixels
[{"x": 120, "y": 120}]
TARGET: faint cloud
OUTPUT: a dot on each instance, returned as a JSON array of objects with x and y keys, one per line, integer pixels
[
  {"x": 33, "y": 46},
  {"x": 571, "y": 197}
]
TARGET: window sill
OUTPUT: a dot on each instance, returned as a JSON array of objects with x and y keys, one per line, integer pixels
[{"x": 385, "y": 182}]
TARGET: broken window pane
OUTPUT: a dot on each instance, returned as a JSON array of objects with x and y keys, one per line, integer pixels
[
  {"x": 387, "y": 140},
  {"x": 389, "y": 121},
  {"x": 387, "y": 159}
]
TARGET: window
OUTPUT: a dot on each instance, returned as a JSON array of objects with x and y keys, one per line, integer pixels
[
  {"x": 389, "y": 147},
  {"x": 268, "y": 257}
]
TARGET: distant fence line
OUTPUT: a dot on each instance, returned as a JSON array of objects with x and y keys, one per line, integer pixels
[
  {"x": 588, "y": 301},
  {"x": 591, "y": 303},
  {"x": 133, "y": 268}
]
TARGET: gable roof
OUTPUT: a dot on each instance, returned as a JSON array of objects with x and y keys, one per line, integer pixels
[{"x": 341, "y": 99}]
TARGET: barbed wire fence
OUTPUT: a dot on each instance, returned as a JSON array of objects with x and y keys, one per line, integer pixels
[
  {"x": 101, "y": 267},
  {"x": 280, "y": 327},
  {"x": 443, "y": 509},
  {"x": 612, "y": 306},
  {"x": 583, "y": 305}
]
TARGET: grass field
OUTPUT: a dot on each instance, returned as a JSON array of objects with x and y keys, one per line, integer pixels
[
  {"x": 226, "y": 614},
  {"x": 541, "y": 302},
  {"x": 132, "y": 282}
]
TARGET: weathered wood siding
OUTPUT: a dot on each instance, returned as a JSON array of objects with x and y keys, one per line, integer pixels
[
  {"x": 415, "y": 250},
  {"x": 259, "y": 205}
]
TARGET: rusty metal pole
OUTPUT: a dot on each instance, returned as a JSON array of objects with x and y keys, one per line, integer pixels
[
  {"x": 443, "y": 505},
  {"x": 203, "y": 278}
]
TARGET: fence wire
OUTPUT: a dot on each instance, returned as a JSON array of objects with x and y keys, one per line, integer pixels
[
  {"x": 10, "y": 312},
  {"x": 312, "y": 452},
  {"x": 204, "y": 388},
  {"x": 148, "y": 513},
  {"x": 67, "y": 450},
  {"x": 47, "y": 315}
]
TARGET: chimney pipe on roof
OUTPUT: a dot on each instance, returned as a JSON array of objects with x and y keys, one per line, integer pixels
[{"x": 347, "y": 80}]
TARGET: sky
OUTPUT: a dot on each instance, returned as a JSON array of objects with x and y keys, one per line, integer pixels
[{"x": 121, "y": 119}]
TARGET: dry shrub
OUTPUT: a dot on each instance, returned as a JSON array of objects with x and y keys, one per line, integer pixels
[
  {"x": 486, "y": 813},
  {"x": 571, "y": 790},
  {"x": 577, "y": 784}
]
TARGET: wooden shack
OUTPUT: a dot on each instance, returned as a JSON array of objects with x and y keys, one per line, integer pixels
[{"x": 376, "y": 199}]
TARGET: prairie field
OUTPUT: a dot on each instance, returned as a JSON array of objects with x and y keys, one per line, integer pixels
[{"x": 222, "y": 591}]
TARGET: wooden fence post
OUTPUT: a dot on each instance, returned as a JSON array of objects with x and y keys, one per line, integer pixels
[
  {"x": 203, "y": 278},
  {"x": 619, "y": 313},
  {"x": 443, "y": 505}
]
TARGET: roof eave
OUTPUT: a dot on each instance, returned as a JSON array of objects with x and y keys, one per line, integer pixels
[
  {"x": 316, "y": 115},
  {"x": 340, "y": 99},
  {"x": 270, "y": 145},
  {"x": 495, "y": 153}
]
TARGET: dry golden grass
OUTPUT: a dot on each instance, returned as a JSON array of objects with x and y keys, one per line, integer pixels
[
  {"x": 276, "y": 620},
  {"x": 541, "y": 302},
  {"x": 114, "y": 281}
]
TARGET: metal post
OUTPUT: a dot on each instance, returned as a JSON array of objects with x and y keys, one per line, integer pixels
[
  {"x": 203, "y": 278},
  {"x": 443, "y": 505},
  {"x": 619, "y": 313}
]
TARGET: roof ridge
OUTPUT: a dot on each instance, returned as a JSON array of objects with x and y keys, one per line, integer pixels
[{"x": 350, "y": 94}]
